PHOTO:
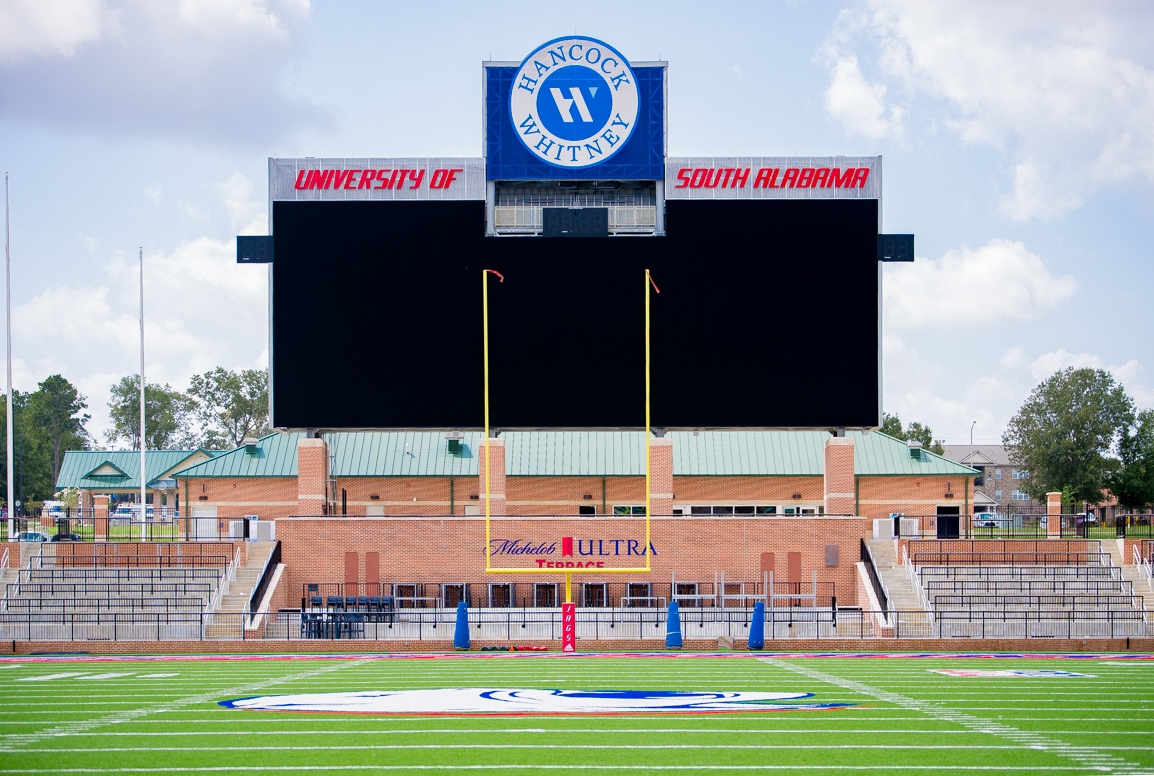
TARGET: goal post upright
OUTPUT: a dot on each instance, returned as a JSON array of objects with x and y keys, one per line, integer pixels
[{"x": 648, "y": 567}]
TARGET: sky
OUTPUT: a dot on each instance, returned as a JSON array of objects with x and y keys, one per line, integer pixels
[{"x": 1017, "y": 144}]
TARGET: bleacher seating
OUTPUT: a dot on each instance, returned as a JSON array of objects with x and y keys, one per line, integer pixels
[
  {"x": 1011, "y": 589},
  {"x": 142, "y": 596}
]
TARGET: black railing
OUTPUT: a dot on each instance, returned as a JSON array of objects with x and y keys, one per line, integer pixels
[
  {"x": 526, "y": 626},
  {"x": 592, "y": 594},
  {"x": 265, "y": 578},
  {"x": 867, "y": 559}
]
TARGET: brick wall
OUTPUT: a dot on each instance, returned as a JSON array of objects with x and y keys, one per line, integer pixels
[
  {"x": 450, "y": 549},
  {"x": 266, "y": 497},
  {"x": 881, "y": 496},
  {"x": 839, "y": 478}
]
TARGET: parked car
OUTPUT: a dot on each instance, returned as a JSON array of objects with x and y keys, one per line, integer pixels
[
  {"x": 32, "y": 536},
  {"x": 67, "y": 537},
  {"x": 131, "y": 512}
]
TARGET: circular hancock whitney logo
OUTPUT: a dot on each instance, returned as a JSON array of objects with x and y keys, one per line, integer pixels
[{"x": 574, "y": 102}]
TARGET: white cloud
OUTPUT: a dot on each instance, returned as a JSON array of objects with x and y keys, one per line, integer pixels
[
  {"x": 1062, "y": 86},
  {"x": 202, "y": 310},
  {"x": 1132, "y": 375},
  {"x": 997, "y": 283},
  {"x": 246, "y": 213},
  {"x": 860, "y": 106},
  {"x": 736, "y": 70},
  {"x": 37, "y": 28},
  {"x": 194, "y": 69},
  {"x": 154, "y": 192}
]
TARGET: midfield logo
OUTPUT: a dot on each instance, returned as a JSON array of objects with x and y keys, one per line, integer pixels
[
  {"x": 574, "y": 102},
  {"x": 484, "y": 701}
]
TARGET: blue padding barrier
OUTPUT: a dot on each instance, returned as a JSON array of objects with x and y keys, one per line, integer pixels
[
  {"x": 673, "y": 626},
  {"x": 757, "y": 627},
  {"x": 461, "y": 635}
]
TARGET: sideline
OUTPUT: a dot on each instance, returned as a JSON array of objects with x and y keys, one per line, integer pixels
[
  {"x": 1087, "y": 756},
  {"x": 360, "y": 656}
]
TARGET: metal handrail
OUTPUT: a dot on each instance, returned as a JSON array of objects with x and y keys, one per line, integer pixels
[
  {"x": 266, "y": 574},
  {"x": 874, "y": 577},
  {"x": 228, "y": 576},
  {"x": 912, "y": 571}
]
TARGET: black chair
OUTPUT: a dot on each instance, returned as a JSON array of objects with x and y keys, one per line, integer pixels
[
  {"x": 350, "y": 603},
  {"x": 335, "y": 602},
  {"x": 315, "y": 601},
  {"x": 363, "y": 603},
  {"x": 374, "y": 608}
]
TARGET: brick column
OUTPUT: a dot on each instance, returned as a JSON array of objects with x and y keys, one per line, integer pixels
[
  {"x": 312, "y": 476},
  {"x": 496, "y": 479},
  {"x": 839, "y": 480},
  {"x": 661, "y": 475},
  {"x": 100, "y": 517},
  {"x": 1054, "y": 515}
]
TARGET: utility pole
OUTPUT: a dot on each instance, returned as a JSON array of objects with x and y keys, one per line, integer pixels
[
  {"x": 8, "y": 330},
  {"x": 143, "y": 439}
]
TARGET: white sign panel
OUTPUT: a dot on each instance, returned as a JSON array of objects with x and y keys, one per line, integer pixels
[
  {"x": 442, "y": 178},
  {"x": 774, "y": 177}
]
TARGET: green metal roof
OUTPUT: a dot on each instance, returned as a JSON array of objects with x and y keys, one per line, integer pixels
[
  {"x": 879, "y": 454},
  {"x": 273, "y": 456},
  {"x": 578, "y": 453},
  {"x": 403, "y": 454},
  {"x": 78, "y": 466}
]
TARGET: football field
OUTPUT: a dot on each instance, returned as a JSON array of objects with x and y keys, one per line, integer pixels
[{"x": 791, "y": 713}]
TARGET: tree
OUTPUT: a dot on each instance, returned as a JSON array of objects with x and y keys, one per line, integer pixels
[
  {"x": 55, "y": 414},
  {"x": 231, "y": 405},
  {"x": 1064, "y": 431},
  {"x": 916, "y": 432},
  {"x": 1132, "y": 480},
  {"x": 31, "y": 464},
  {"x": 168, "y": 415}
]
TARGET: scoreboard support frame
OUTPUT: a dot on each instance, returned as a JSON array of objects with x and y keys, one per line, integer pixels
[{"x": 648, "y": 567}]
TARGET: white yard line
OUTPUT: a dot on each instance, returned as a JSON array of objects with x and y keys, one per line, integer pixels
[
  {"x": 1087, "y": 756},
  {"x": 552, "y": 767},
  {"x": 13, "y": 742},
  {"x": 555, "y": 731},
  {"x": 360, "y": 747}
]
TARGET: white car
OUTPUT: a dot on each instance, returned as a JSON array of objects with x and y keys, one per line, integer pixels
[{"x": 32, "y": 536}]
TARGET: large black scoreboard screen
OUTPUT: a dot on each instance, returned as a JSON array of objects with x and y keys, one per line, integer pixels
[{"x": 767, "y": 318}]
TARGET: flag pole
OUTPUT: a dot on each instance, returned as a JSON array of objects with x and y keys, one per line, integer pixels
[
  {"x": 143, "y": 439},
  {"x": 8, "y": 277}
]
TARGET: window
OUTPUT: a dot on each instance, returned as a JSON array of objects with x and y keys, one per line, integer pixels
[
  {"x": 979, "y": 482},
  {"x": 767, "y": 510},
  {"x": 1019, "y": 474},
  {"x": 998, "y": 495},
  {"x": 585, "y": 510},
  {"x": 997, "y": 474},
  {"x": 1020, "y": 496},
  {"x": 629, "y": 510}
]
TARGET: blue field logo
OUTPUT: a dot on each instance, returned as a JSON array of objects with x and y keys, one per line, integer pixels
[
  {"x": 574, "y": 102},
  {"x": 480, "y": 700}
]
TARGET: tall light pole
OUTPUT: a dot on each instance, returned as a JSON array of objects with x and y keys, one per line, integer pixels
[
  {"x": 143, "y": 475},
  {"x": 8, "y": 330}
]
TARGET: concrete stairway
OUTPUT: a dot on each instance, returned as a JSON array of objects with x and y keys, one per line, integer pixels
[
  {"x": 235, "y": 601},
  {"x": 903, "y": 597},
  {"x": 1142, "y": 586}
]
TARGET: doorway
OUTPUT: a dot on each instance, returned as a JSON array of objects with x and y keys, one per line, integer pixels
[
  {"x": 595, "y": 594},
  {"x": 500, "y": 595},
  {"x": 949, "y": 522},
  {"x": 451, "y": 595},
  {"x": 545, "y": 594}
]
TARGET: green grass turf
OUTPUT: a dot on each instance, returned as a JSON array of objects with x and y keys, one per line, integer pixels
[{"x": 78, "y": 724}]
